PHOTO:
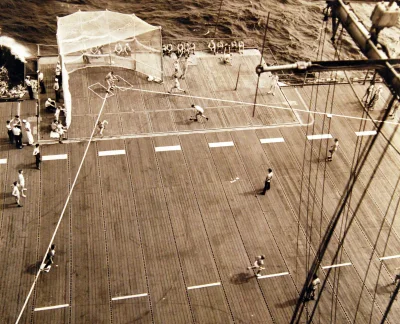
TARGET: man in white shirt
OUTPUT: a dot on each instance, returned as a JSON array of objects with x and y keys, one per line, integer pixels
[
  {"x": 56, "y": 88},
  {"x": 10, "y": 132},
  {"x": 50, "y": 105},
  {"x": 41, "y": 82},
  {"x": 28, "y": 131},
  {"x": 267, "y": 184},
  {"x": 21, "y": 182},
  {"x": 333, "y": 149},
  {"x": 29, "y": 86},
  {"x": 17, "y": 136},
  {"x": 16, "y": 194},
  {"x": 176, "y": 86},
  {"x": 36, "y": 154},
  {"x": 199, "y": 112},
  {"x": 258, "y": 264}
]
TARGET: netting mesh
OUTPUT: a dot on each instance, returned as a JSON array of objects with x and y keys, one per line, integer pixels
[{"x": 106, "y": 38}]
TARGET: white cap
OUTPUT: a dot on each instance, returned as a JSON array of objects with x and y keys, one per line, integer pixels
[{"x": 24, "y": 121}]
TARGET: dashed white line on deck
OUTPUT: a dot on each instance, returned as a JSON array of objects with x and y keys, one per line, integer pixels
[
  {"x": 112, "y": 152},
  {"x": 167, "y": 148},
  {"x": 221, "y": 144},
  {"x": 204, "y": 286},
  {"x": 273, "y": 275},
  {"x": 337, "y": 265},
  {"x": 55, "y": 157},
  {"x": 366, "y": 133},
  {"x": 50, "y": 307},
  {"x": 390, "y": 257},
  {"x": 3, "y": 161},
  {"x": 319, "y": 136},
  {"x": 130, "y": 296},
  {"x": 272, "y": 140}
]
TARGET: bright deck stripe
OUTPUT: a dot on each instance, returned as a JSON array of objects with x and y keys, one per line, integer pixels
[
  {"x": 329, "y": 115},
  {"x": 50, "y": 307},
  {"x": 204, "y": 286},
  {"x": 3, "y": 161},
  {"x": 221, "y": 144},
  {"x": 168, "y": 148},
  {"x": 366, "y": 133},
  {"x": 337, "y": 265},
  {"x": 390, "y": 257},
  {"x": 131, "y": 296},
  {"x": 112, "y": 152},
  {"x": 321, "y": 136},
  {"x": 273, "y": 275},
  {"x": 55, "y": 157},
  {"x": 272, "y": 140}
]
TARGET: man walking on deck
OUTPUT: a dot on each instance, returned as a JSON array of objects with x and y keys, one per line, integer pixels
[
  {"x": 16, "y": 193},
  {"x": 368, "y": 93},
  {"x": 10, "y": 132},
  {"x": 310, "y": 295},
  {"x": 17, "y": 136},
  {"x": 199, "y": 112},
  {"x": 21, "y": 182},
  {"x": 273, "y": 84},
  {"x": 176, "y": 86},
  {"x": 41, "y": 82},
  {"x": 46, "y": 266},
  {"x": 267, "y": 184},
  {"x": 258, "y": 264},
  {"x": 29, "y": 86},
  {"x": 333, "y": 149},
  {"x": 36, "y": 154}
]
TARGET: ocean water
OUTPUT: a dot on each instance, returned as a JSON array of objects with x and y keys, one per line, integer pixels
[{"x": 293, "y": 34}]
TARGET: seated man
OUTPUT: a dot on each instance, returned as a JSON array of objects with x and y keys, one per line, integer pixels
[
  {"x": 227, "y": 59},
  {"x": 54, "y": 125},
  {"x": 118, "y": 49},
  {"x": 50, "y": 105},
  {"x": 127, "y": 50}
]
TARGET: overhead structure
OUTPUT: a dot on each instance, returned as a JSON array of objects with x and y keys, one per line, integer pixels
[{"x": 107, "y": 38}]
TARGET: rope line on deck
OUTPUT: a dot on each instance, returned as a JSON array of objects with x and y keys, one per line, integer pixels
[{"x": 62, "y": 213}]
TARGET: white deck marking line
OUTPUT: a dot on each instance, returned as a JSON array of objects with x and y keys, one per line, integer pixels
[
  {"x": 337, "y": 265},
  {"x": 62, "y": 212},
  {"x": 50, "y": 307},
  {"x": 130, "y": 296},
  {"x": 390, "y": 257},
  {"x": 106, "y": 94},
  {"x": 273, "y": 275},
  {"x": 167, "y": 148},
  {"x": 112, "y": 152},
  {"x": 3, "y": 161},
  {"x": 272, "y": 140},
  {"x": 260, "y": 105},
  {"x": 221, "y": 144},
  {"x": 55, "y": 157},
  {"x": 366, "y": 133},
  {"x": 329, "y": 115},
  {"x": 319, "y": 136},
  {"x": 204, "y": 286}
]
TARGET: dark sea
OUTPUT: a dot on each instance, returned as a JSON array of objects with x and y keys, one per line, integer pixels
[{"x": 293, "y": 34}]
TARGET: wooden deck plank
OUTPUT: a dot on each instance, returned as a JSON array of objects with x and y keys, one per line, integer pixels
[
  {"x": 135, "y": 123},
  {"x": 127, "y": 275},
  {"x": 166, "y": 286},
  {"x": 89, "y": 283},
  {"x": 56, "y": 186}
]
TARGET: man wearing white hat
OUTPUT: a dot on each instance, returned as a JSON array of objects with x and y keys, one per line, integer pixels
[
  {"x": 28, "y": 131},
  {"x": 50, "y": 105}
]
